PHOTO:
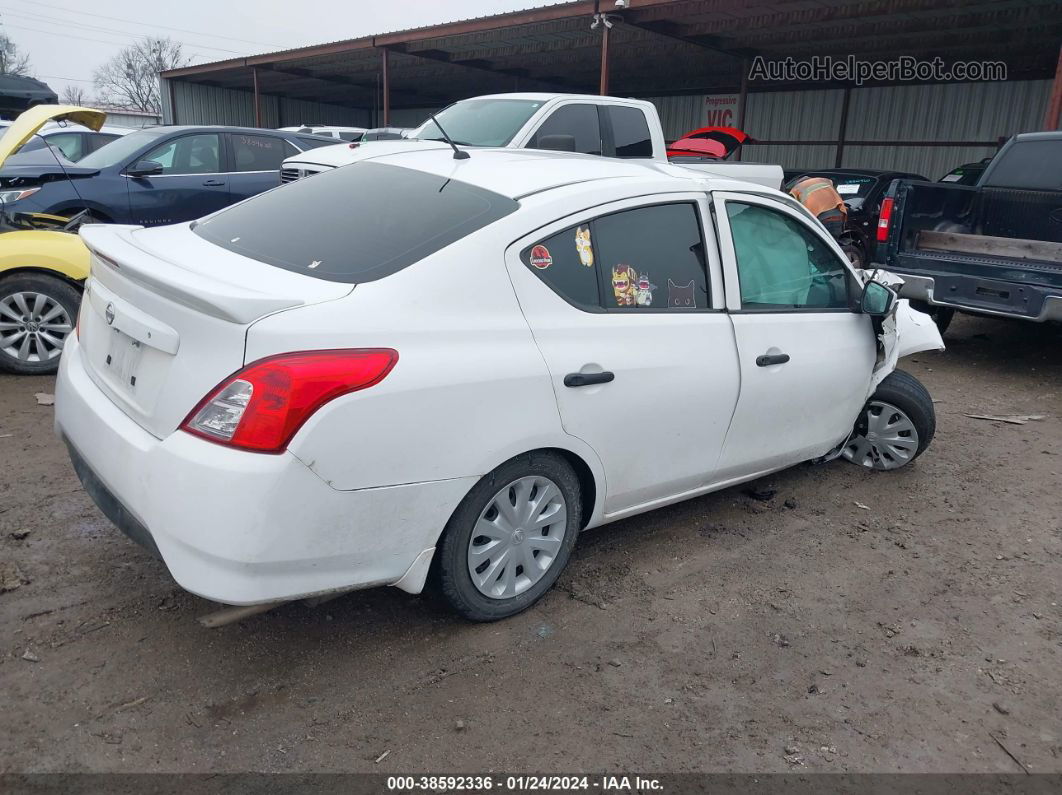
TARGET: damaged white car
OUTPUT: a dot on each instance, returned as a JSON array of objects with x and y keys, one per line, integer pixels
[{"x": 421, "y": 369}]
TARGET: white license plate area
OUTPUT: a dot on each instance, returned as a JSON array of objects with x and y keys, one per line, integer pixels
[{"x": 122, "y": 360}]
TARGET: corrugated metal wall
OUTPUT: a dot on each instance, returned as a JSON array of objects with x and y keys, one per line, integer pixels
[
  {"x": 946, "y": 112},
  {"x": 199, "y": 104},
  {"x": 119, "y": 119},
  {"x": 943, "y": 112}
]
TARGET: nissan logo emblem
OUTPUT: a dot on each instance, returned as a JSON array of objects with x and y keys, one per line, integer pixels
[{"x": 109, "y": 314}]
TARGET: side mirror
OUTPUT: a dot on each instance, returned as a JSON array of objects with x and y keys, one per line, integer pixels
[
  {"x": 877, "y": 300},
  {"x": 557, "y": 143},
  {"x": 144, "y": 168}
]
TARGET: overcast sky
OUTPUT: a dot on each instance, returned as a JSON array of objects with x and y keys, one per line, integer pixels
[{"x": 67, "y": 39}]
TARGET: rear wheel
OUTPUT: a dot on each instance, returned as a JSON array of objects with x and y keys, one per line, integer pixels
[
  {"x": 37, "y": 315},
  {"x": 510, "y": 538},
  {"x": 895, "y": 426},
  {"x": 854, "y": 253}
]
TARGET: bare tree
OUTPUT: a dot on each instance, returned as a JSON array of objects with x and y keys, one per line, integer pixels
[
  {"x": 131, "y": 78},
  {"x": 11, "y": 61},
  {"x": 74, "y": 95}
]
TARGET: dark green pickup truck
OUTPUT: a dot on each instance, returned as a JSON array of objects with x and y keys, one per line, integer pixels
[{"x": 993, "y": 248}]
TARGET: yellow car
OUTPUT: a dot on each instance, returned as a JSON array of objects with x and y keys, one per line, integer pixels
[{"x": 43, "y": 263}]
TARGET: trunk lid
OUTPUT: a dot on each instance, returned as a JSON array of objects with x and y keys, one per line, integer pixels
[{"x": 165, "y": 316}]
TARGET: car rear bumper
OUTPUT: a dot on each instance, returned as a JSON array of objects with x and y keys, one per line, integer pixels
[
  {"x": 244, "y": 528},
  {"x": 983, "y": 296}
]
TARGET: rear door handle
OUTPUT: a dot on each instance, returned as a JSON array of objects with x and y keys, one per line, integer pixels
[
  {"x": 587, "y": 379},
  {"x": 774, "y": 358},
  {"x": 213, "y": 183}
]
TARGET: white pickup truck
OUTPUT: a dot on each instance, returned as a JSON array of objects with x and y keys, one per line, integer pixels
[{"x": 593, "y": 125}]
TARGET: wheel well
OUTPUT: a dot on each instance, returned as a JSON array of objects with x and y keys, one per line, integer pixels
[
  {"x": 43, "y": 272},
  {"x": 587, "y": 484}
]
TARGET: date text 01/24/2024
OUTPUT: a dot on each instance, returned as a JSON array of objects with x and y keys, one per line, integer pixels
[{"x": 526, "y": 783}]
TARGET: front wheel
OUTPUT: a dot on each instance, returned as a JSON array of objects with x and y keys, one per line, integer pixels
[
  {"x": 510, "y": 538},
  {"x": 37, "y": 315},
  {"x": 895, "y": 426}
]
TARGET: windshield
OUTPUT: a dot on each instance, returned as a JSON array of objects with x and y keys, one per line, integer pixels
[
  {"x": 122, "y": 149},
  {"x": 479, "y": 122}
]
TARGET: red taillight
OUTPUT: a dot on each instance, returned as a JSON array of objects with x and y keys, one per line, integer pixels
[
  {"x": 261, "y": 407},
  {"x": 884, "y": 220}
]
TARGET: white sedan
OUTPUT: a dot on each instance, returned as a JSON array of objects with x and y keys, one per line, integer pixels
[{"x": 423, "y": 369}]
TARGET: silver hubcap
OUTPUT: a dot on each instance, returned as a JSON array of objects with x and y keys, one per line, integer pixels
[
  {"x": 33, "y": 327},
  {"x": 517, "y": 537},
  {"x": 884, "y": 438}
]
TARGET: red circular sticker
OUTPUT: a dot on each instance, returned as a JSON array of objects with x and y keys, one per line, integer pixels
[{"x": 540, "y": 258}]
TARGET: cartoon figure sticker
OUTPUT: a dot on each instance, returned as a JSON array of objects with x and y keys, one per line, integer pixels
[
  {"x": 681, "y": 295},
  {"x": 624, "y": 285},
  {"x": 644, "y": 290},
  {"x": 540, "y": 257},
  {"x": 583, "y": 246}
]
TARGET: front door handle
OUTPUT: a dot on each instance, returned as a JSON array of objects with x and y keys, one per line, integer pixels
[
  {"x": 213, "y": 183},
  {"x": 773, "y": 358},
  {"x": 587, "y": 379}
]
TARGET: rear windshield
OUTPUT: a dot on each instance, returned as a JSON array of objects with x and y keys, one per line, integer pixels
[
  {"x": 1032, "y": 165},
  {"x": 357, "y": 223}
]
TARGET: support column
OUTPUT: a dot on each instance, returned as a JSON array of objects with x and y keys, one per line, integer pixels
[
  {"x": 257, "y": 99},
  {"x": 842, "y": 128},
  {"x": 604, "y": 58},
  {"x": 743, "y": 101},
  {"x": 1054, "y": 103},
  {"x": 385, "y": 89}
]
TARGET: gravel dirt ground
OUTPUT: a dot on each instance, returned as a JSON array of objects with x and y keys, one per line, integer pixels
[{"x": 922, "y": 632}]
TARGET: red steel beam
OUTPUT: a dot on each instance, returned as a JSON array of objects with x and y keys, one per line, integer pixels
[
  {"x": 604, "y": 60},
  {"x": 1054, "y": 105},
  {"x": 385, "y": 90}
]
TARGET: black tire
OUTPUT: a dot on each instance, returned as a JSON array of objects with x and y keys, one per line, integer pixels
[
  {"x": 902, "y": 391},
  {"x": 942, "y": 315},
  {"x": 451, "y": 575},
  {"x": 854, "y": 253},
  {"x": 56, "y": 289}
]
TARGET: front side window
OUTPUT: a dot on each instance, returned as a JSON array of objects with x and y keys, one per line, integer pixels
[
  {"x": 355, "y": 224},
  {"x": 578, "y": 121},
  {"x": 191, "y": 154},
  {"x": 70, "y": 144},
  {"x": 783, "y": 265},
  {"x": 257, "y": 152},
  {"x": 648, "y": 258},
  {"x": 630, "y": 132}
]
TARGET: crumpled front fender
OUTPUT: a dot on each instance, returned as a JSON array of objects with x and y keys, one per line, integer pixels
[{"x": 903, "y": 331}]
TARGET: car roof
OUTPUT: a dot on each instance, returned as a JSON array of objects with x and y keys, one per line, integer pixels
[
  {"x": 226, "y": 128},
  {"x": 545, "y": 96},
  {"x": 517, "y": 173}
]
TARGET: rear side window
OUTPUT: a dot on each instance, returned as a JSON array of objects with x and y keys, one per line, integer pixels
[
  {"x": 578, "y": 121},
  {"x": 257, "y": 152},
  {"x": 630, "y": 132},
  {"x": 355, "y": 224},
  {"x": 652, "y": 258},
  {"x": 565, "y": 262},
  {"x": 645, "y": 259},
  {"x": 1034, "y": 165}
]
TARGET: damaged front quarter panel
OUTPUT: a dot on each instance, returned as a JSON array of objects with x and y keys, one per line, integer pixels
[{"x": 903, "y": 331}]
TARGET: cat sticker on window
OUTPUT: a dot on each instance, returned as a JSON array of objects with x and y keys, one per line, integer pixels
[
  {"x": 681, "y": 296},
  {"x": 644, "y": 290},
  {"x": 625, "y": 285},
  {"x": 583, "y": 246}
]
